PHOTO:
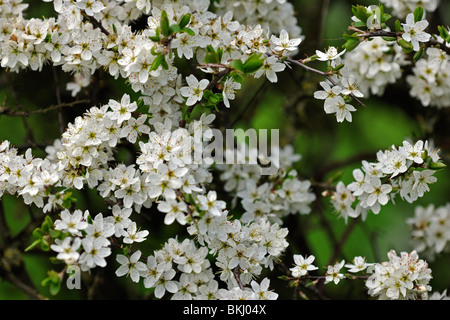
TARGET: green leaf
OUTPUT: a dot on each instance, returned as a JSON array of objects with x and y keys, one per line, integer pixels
[
  {"x": 418, "y": 55},
  {"x": 44, "y": 245},
  {"x": 361, "y": 13},
  {"x": 157, "y": 36},
  {"x": 439, "y": 165},
  {"x": 237, "y": 65},
  {"x": 398, "y": 26},
  {"x": 33, "y": 245},
  {"x": 185, "y": 20},
  {"x": 253, "y": 63},
  {"x": 385, "y": 17},
  {"x": 406, "y": 46},
  {"x": 164, "y": 63},
  {"x": 389, "y": 38},
  {"x": 418, "y": 14},
  {"x": 188, "y": 31},
  {"x": 352, "y": 41},
  {"x": 443, "y": 32},
  {"x": 174, "y": 28},
  {"x": 359, "y": 24},
  {"x": 164, "y": 24},
  {"x": 157, "y": 62},
  {"x": 48, "y": 220},
  {"x": 38, "y": 233}
]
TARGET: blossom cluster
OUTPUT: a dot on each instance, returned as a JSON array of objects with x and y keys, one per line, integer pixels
[
  {"x": 272, "y": 15},
  {"x": 87, "y": 240},
  {"x": 272, "y": 197},
  {"x": 430, "y": 230},
  {"x": 406, "y": 171},
  {"x": 430, "y": 79},
  {"x": 401, "y": 8},
  {"x": 145, "y": 59},
  {"x": 340, "y": 89},
  {"x": 229, "y": 244},
  {"x": 375, "y": 64},
  {"x": 402, "y": 277}
]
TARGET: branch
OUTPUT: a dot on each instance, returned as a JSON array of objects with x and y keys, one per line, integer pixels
[
  {"x": 13, "y": 113},
  {"x": 32, "y": 293},
  {"x": 95, "y": 22},
  {"x": 324, "y": 74},
  {"x": 383, "y": 33},
  {"x": 238, "y": 278}
]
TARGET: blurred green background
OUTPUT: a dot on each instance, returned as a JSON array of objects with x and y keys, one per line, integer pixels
[{"x": 288, "y": 106}]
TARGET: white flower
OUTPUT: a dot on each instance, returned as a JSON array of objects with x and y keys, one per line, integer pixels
[
  {"x": 377, "y": 192},
  {"x": 67, "y": 249},
  {"x": 194, "y": 91},
  {"x": 165, "y": 283},
  {"x": 302, "y": 265},
  {"x": 262, "y": 291},
  {"x": 337, "y": 105},
  {"x": 413, "y": 153},
  {"x": 173, "y": 210},
  {"x": 211, "y": 204},
  {"x": 72, "y": 223},
  {"x": 94, "y": 254},
  {"x": 358, "y": 264},
  {"x": 229, "y": 88},
  {"x": 421, "y": 181},
  {"x": 121, "y": 111},
  {"x": 134, "y": 128},
  {"x": 283, "y": 43},
  {"x": 269, "y": 68},
  {"x": 333, "y": 275},
  {"x": 131, "y": 234},
  {"x": 132, "y": 266},
  {"x": 414, "y": 31},
  {"x": 329, "y": 55},
  {"x": 327, "y": 92},
  {"x": 351, "y": 87}
]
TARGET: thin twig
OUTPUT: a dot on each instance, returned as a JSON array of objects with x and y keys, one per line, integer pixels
[
  {"x": 324, "y": 74},
  {"x": 15, "y": 113},
  {"x": 238, "y": 278},
  {"x": 392, "y": 34},
  {"x": 95, "y": 22},
  {"x": 31, "y": 292},
  {"x": 338, "y": 248},
  {"x": 58, "y": 100}
]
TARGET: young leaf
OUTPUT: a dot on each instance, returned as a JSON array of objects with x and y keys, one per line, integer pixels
[
  {"x": 361, "y": 13},
  {"x": 443, "y": 32},
  {"x": 237, "y": 65},
  {"x": 398, "y": 26},
  {"x": 184, "y": 21},
  {"x": 437, "y": 165},
  {"x": 33, "y": 245},
  {"x": 406, "y": 46},
  {"x": 418, "y": 54},
  {"x": 418, "y": 14},
  {"x": 188, "y": 31},
  {"x": 157, "y": 36},
  {"x": 164, "y": 24},
  {"x": 157, "y": 62},
  {"x": 174, "y": 28},
  {"x": 253, "y": 63},
  {"x": 352, "y": 41}
]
